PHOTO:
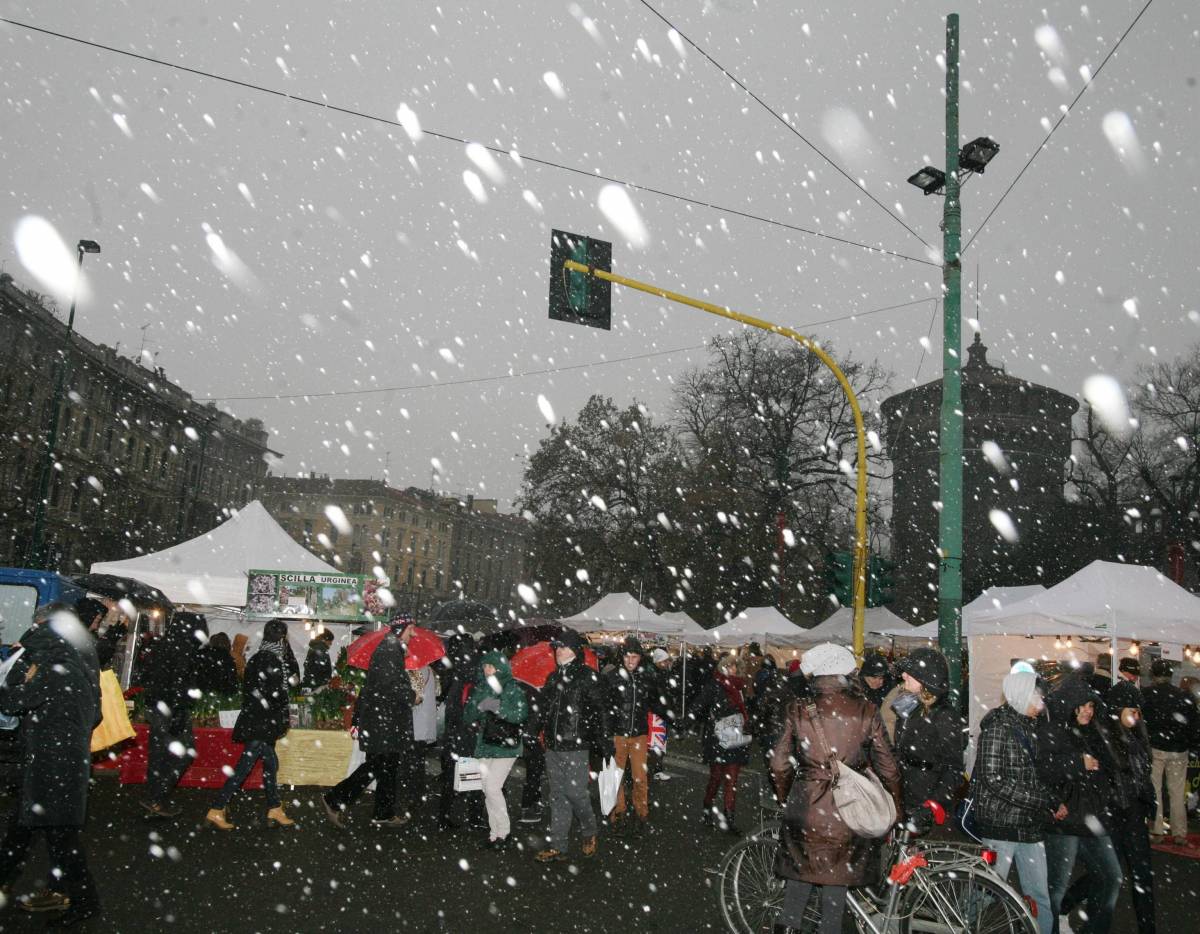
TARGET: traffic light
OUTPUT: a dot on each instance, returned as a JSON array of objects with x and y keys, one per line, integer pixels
[
  {"x": 880, "y": 582},
  {"x": 576, "y": 297},
  {"x": 839, "y": 575}
]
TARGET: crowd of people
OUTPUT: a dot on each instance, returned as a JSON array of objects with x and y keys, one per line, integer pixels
[{"x": 1083, "y": 772}]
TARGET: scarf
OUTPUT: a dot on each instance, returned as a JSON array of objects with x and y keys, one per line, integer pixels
[
  {"x": 275, "y": 648},
  {"x": 733, "y": 690}
]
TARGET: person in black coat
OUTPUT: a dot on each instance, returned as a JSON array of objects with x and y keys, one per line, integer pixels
[
  {"x": 458, "y": 739},
  {"x": 875, "y": 678},
  {"x": 1076, "y": 763},
  {"x": 318, "y": 669},
  {"x": 215, "y": 671},
  {"x": 169, "y": 683},
  {"x": 723, "y": 696},
  {"x": 383, "y": 717},
  {"x": 930, "y": 739},
  {"x": 1173, "y": 724},
  {"x": 262, "y": 721},
  {"x": 55, "y": 688}
]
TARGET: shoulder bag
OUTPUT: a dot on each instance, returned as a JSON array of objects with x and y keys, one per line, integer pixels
[{"x": 863, "y": 804}]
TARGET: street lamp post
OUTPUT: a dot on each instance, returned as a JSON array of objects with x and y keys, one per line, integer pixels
[
  {"x": 972, "y": 158},
  {"x": 34, "y": 555}
]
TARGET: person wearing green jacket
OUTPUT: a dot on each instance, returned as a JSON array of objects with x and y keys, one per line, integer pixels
[{"x": 496, "y": 709}]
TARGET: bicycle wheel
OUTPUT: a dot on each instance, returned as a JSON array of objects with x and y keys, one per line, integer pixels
[
  {"x": 955, "y": 901},
  {"x": 751, "y": 894}
]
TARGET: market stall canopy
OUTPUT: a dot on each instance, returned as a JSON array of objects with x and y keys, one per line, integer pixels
[
  {"x": 1106, "y": 599},
  {"x": 758, "y": 624},
  {"x": 211, "y": 569},
  {"x": 690, "y": 631},
  {"x": 839, "y": 627},
  {"x": 890, "y": 630},
  {"x": 619, "y": 612},
  {"x": 997, "y": 598}
]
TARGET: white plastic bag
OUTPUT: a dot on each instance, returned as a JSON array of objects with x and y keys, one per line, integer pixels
[
  {"x": 609, "y": 781},
  {"x": 467, "y": 776}
]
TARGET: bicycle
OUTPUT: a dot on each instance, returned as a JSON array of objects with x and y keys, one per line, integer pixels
[{"x": 940, "y": 888}]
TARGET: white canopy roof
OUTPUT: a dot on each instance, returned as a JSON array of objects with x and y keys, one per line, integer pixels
[
  {"x": 758, "y": 624},
  {"x": 619, "y": 612},
  {"x": 210, "y": 569},
  {"x": 1126, "y": 601},
  {"x": 996, "y": 598},
  {"x": 924, "y": 633},
  {"x": 839, "y": 626},
  {"x": 689, "y": 630}
]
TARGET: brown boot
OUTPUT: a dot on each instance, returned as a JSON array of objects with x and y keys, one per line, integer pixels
[
  {"x": 216, "y": 817},
  {"x": 278, "y": 818},
  {"x": 589, "y": 846}
]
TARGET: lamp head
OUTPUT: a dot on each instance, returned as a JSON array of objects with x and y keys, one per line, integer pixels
[
  {"x": 928, "y": 179},
  {"x": 89, "y": 246},
  {"x": 975, "y": 156}
]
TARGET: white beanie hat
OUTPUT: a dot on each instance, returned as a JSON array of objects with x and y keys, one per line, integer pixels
[
  {"x": 1019, "y": 689},
  {"x": 659, "y": 655},
  {"x": 827, "y": 659}
]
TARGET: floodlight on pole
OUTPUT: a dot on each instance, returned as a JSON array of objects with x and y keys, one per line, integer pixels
[
  {"x": 928, "y": 179},
  {"x": 975, "y": 156}
]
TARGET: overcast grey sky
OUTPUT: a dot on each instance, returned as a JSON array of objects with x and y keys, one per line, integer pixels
[{"x": 276, "y": 247}]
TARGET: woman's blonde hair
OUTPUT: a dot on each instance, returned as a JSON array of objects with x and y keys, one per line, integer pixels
[{"x": 729, "y": 664}]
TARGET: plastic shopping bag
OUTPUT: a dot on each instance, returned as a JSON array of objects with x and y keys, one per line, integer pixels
[
  {"x": 609, "y": 781},
  {"x": 115, "y": 727},
  {"x": 467, "y": 776}
]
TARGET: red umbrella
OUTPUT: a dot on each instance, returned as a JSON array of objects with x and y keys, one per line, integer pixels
[
  {"x": 535, "y": 663},
  {"x": 424, "y": 648}
]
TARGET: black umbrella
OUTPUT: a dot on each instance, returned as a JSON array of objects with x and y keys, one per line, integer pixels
[
  {"x": 124, "y": 588},
  {"x": 463, "y": 611}
]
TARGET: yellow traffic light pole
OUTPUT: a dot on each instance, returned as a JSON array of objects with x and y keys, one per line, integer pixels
[{"x": 860, "y": 510}]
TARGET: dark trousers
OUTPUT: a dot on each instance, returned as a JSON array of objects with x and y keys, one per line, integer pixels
[
  {"x": 1098, "y": 889},
  {"x": 67, "y": 860},
  {"x": 253, "y": 751},
  {"x": 534, "y": 757},
  {"x": 165, "y": 768},
  {"x": 412, "y": 774},
  {"x": 380, "y": 768},
  {"x": 795, "y": 903},
  {"x": 1131, "y": 838},
  {"x": 474, "y": 799}
]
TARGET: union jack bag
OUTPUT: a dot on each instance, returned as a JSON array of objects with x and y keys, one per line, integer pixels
[{"x": 657, "y": 731}]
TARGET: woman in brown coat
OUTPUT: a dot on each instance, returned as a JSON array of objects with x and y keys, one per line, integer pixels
[{"x": 816, "y": 848}]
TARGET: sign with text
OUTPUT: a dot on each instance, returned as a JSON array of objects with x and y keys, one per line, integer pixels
[{"x": 309, "y": 595}]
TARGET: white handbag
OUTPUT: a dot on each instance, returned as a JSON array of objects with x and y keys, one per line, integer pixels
[
  {"x": 730, "y": 733},
  {"x": 863, "y": 804},
  {"x": 467, "y": 776}
]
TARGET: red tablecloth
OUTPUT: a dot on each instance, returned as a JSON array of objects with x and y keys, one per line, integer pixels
[{"x": 215, "y": 749}]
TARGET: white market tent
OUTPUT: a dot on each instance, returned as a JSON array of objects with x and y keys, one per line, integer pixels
[
  {"x": 211, "y": 569},
  {"x": 1105, "y": 602},
  {"x": 620, "y": 612},
  {"x": 690, "y": 631},
  {"x": 996, "y": 598},
  {"x": 762, "y": 624},
  {"x": 839, "y": 627}
]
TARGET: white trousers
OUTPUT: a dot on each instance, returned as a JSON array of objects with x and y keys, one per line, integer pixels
[{"x": 494, "y": 773}]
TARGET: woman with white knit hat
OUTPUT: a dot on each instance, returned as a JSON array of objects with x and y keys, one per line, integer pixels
[{"x": 1013, "y": 806}]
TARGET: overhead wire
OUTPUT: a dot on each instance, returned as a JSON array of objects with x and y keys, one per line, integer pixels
[
  {"x": 449, "y": 137},
  {"x": 374, "y": 390},
  {"x": 1087, "y": 84},
  {"x": 780, "y": 118}
]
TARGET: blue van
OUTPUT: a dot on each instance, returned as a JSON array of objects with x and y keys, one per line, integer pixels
[{"x": 23, "y": 590}]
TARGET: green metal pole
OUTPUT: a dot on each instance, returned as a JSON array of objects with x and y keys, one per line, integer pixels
[
  {"x": 950, "y": 530},
  {"x": 34, "y": 557}
]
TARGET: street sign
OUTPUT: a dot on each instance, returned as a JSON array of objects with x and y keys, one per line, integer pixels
[{"x": 575, "y": 297}]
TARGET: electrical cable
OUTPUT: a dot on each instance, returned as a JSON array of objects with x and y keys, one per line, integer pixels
[
  {"x": 779, "y": 117},
  {"x": 545, "y": 372},
  {"x": 1087, "y": 84},
  {"x": 448, "y": 137}
]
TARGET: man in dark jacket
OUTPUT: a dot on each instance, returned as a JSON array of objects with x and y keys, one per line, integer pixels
[
  {"x": 55, "y": 688},
  {"x": 875, "y": 678},
  {"x": 1076, "y": 764},
  {"x": 1171, "y": 718},
  {"x": 170, "y": 684},
  {"x": 318, "y": 669},
  {"x": 214, "y": 668},
  {"x": 1013, "y": 804},
  {"x": 383, "y": 717},
  {"x": 458, "y": 739},
  {"x": 573, "y": 717},
  {"x": 633, "y": 693}
]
